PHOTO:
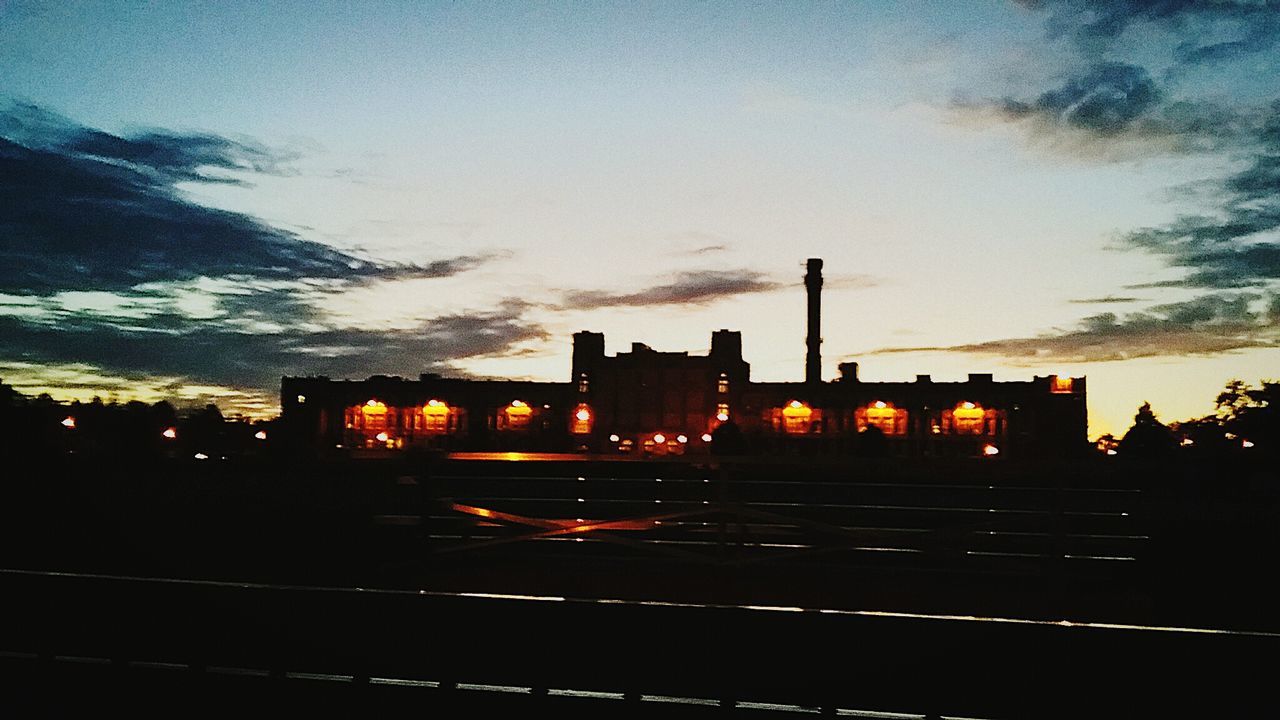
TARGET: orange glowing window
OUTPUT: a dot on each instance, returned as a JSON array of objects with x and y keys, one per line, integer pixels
[
  {"x": 722, "y": 385},
  {"x": 374, "y": 415},
  {"x": 435, "y": 417},
  {"x": 581, "y": 422},
  {"x": 967, "y": 419},
  {"x": 796, "y": 418},
  {"x": 1059, "y": 384},
  {"x": 884, "y": 416},
  {"x": 722, "y": 412},
  {"x": 515, "y": 416}
]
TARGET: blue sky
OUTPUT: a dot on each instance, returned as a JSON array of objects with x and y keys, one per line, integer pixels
[{"x": 205, "y": 196}]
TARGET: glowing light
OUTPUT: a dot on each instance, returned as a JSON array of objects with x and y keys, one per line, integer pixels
[
  {"x": 170, "y": 433},
  {"x": 302, "y": 398},
  {"x": 706, "y": 437},
  {"x": 381, "y": 437},
  {"x": 990, "y": 450},
  {"x": 682, "y": 438},
  {"x": 201, "y": 456},
  {"x": 261, "y": 434},
  {"x": 1186, "y": 442},
  {"x": 1247, "y": 444},
  {"x": 434, "y": 403},
  {"x": 614, "y": 438},
  {"x": 968, "y": 405},
  {"x": 1111, "y": 451},
  {"x": 880, "y": 405},
  {"x": 659, "y": 438},
  {"x": 374, "y": 404},
  {"x": 722, "y": 417},
  {"x": 69, "y": 423},
  {"x": 795, "y": 404},
  {"x": 517, "y": 403},
  {"x": 583, "y": 415}
]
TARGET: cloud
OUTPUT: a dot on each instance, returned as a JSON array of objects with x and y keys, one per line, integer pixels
[
  {"x": 688, "y": 288},
  {"x": 1108, "y": 105},
  {"x": 173, "y": 345},
  {"x": 84, "y": 209},
  {"x": 1207, "y": 325},
  {"x": 1234, "y": 248},
  {"x": 1105, "y": 300},
  {"x": 1107, "y": 98},
  {"x": 1249, "y": 25}
]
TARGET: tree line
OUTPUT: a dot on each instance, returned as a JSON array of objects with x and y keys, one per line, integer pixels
[
  {"x": 1246, "y": 419},
  {"x": 40, "y": 425}
]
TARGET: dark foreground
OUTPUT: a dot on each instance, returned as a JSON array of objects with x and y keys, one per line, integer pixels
[{"x": 929, "y": 591}]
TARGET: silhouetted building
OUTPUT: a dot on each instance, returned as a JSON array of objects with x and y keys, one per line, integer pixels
[{"x": 647, "y": 401}]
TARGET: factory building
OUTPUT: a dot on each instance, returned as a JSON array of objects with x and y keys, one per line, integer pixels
[{"x": 651, "y": 402}]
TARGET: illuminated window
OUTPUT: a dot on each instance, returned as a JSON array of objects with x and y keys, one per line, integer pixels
[
  {"x": 722, "y": 412},
  {"x": 584, "y": 384},
  {"x": 302, "y": 399},
  {"x": 374, "y": 415},
  {"x": 884, "y": 416},
  {"x": 582, "y": 419},
  {"x": 515, "y": 416},
  {"x": 967, "y": 419},
  {"x": 722, "y": 385},
  {"x": 1059, "y": 384},
  {"x": 797, "y": 418},
  {"x": 435, "y": 417}
]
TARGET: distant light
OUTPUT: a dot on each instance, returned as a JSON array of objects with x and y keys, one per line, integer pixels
[
  {"x": 706, "y": 437},
  {"x": 302, "y": 398},
  {"x": 722, "y": 417},
  {"x": 1246, "y": 444},
  {"x": 659, "y": 438},
  {"x": 583, "y": 415},
  {"x": 614, "y": 438},
  {"x": 517, "y": 403},
  {"x": 201, "y": 456},
  {"x": 546, "y": 407},
  {"x": 1187, "y": 441},
  {"x": 381, "y": 437},
  {"x": 170, "y": 433},
  {"x": 374, "y": 403},
  {"x": 69, "y": 423},
  {"x": 261, "y": 434},
  {"x": 1111, "y": 451},
  {"x": 968, "y": 405},
  {"x": 682, "y": 438},
  {"x": 990, "y": 450},
  {"x": 880, "y": 405},
  {"x": 434, "y": 403},
  {"x": 795, "y": 404}
]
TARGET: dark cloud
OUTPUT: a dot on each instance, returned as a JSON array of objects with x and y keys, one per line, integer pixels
[
  {"x": 175, "y": 345},
  {"x": 708, "y": 249},
  {"x": 1250, "y": 25},
  {"x": 82, "y": 209},
  {"x": 1110, "y": 102},
  {"x": 1107, "y": 99},
  {"x": 691, "y": 288},
  {"x": 1230, "y": 249},
  {"x": 1105, "y": 300},
  {"x": 1208, "y": 325}
]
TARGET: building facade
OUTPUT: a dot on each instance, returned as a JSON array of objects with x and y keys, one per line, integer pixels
[{"x": 673, "y": 403}]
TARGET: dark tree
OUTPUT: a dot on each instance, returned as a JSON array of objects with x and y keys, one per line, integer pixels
[{"x": 1148, "y": 438}]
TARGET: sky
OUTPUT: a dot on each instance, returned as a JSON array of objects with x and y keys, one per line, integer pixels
[{"x": 198, "y": 198}]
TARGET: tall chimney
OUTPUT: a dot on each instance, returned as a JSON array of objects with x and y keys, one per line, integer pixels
[{"x": 813, "y": 359}]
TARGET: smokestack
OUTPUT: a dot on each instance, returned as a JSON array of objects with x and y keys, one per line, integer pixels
[{"x": 813, "y": 359}]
